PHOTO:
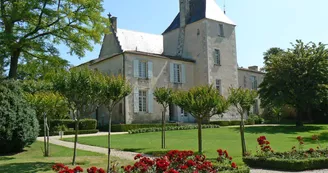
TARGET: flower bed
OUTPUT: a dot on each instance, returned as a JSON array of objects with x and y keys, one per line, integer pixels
[
  {"x": 173, "y": 162},
  {"x": 298, "y": 159}
]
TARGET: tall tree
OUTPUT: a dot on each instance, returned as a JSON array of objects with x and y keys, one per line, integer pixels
[
  {"x": 242, "y": 99},
  {"x": 202, "y": 103},
  {"x": 81, "y": 88},
  {"x": 164, "y": 97},
  {"x": 112, "y": 91},
  {"x": 297, "y": 77},
  {"x": 33, "y": 28},
  {"x": 274, "y": 51}
]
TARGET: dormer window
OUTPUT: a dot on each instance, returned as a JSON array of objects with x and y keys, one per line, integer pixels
[{"x": 221, "y": 30}]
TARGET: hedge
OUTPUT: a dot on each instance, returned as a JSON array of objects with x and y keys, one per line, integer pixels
[
  {"x": 157, "y": 129},
  {"x": 226, "y": 123},
  {"x": 127, "y": 127},
  {"x": 72, "y": 132},
  {"x": 286, "y": 164},
  {"x": 84, "y": 125}
]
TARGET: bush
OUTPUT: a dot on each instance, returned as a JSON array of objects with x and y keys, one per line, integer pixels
[
  {"x": 170, "y": 128},
  {"x": 127, "y": 127},
  {"x": 228, "y": 123},
  {"x": 69, "y": 125},
  {"x": 287, "y": 164},
  {"x": 18, "y": 123},
  {"x": 254, "y": 119},
  {"x": 88, "y": 124}
]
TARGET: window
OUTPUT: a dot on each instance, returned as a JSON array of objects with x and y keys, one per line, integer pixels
[
  {"x": 245, "y": 82},
  {"x": 142, "y": 101},
  {"x": 221, "y": 30},
  {"x": 217, "y": 57},
  {"x": 142, "y": 69},
  {"x": 182, "y": 112},
  {"x": 256, "y": 107},
  {"x": 218, "y": 85},
  {"x": 254, "y": 82},
  {"x": 177, "y": 73}
]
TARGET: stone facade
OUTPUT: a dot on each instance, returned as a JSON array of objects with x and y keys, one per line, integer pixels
[{"x": 198, "y": 48}]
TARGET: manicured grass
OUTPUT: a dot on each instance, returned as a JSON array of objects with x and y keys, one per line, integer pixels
[
  {"x": 282, "y": 138},
  {"x": 32, "y": 161}
]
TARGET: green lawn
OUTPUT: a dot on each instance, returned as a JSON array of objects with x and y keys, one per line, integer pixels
[
  {"x": 32, "y": 160},
  {"x": 282, "y": 138}
]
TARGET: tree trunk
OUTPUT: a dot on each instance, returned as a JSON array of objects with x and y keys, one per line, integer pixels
[
  {"x": 44, "y": 134},
  {"x": 242, "y": 135},
  {"x": 200, "y": 142},
  {"x": 75, "y": 138},
  {"x": 14, "y": 63},
  {"x": 299, "y": 122},
  {"x": 163, "y": 129},
  {"x": 48, "y": 145},
  {"x": 109, "y": 130}
]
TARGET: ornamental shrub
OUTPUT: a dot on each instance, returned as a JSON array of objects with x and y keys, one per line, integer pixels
[{"x": 19, "y": 126}]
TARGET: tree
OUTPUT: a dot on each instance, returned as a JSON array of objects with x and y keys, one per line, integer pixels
[
  {"x": 33, "y": 28},
  {"x": 164, "y": 97},
  {"x": 242, "y": 99},
  {"x": 81, "y": 88},
  {"x": 112, "y": 91},
  {"x": 297, "y": 77},
  {"x": 274, "y": 51},
  {"x": 41, "y": 69},
  {"x": 19, "y": 126},
  {"x": 202, "y": 102},
  {"x": 48, "y": 105}
]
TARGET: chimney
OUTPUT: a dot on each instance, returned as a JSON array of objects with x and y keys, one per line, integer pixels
[
  {"x": 255, "y": 68},
  {"x": 113, "y": 21},
  {"x": 184, "y": 12}
]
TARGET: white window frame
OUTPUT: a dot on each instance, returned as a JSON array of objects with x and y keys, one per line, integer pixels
[
  {"x": 218, "y": 85},
  {"x": 217, "y": 57},
  {"x": 142, "y": 101},
  {"x": 221, "y": 30},
  {"x": 254, "y": 82},
  {"x": 177, "y": 68},
  {"x": 143, "y": 70}
]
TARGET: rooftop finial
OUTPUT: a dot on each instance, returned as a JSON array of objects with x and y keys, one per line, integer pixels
[{"x": 224, "y": 6}]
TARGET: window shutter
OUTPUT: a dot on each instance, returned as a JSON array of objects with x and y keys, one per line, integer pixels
[
  {"x": 136, "y": 67},
  {"x": 136, "y": 100},
  {"x": 183, "y": 73},
  {"x": 150, "y": 69},
  {"x": 150, "y": 101},
  {"x": 171, "y": 73}
]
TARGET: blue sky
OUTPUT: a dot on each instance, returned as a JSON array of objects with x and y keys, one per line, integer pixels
[{"x": 261, "y": 24}]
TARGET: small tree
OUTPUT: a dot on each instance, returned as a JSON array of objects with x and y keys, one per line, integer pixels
[
  {"x": 112, "y": 91},
  {"x": 164, "y": 97},
  {"x": 202, "y": 102},
  {"x": 48, "y": 105},
  {"x": 81, "y": 88},
  {"x": 242, "y": 99}
]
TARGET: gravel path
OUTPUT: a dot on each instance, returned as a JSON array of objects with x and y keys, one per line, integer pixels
[{"x": 130, "y": 155}]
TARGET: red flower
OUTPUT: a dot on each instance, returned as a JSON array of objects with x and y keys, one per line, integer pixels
[
  {"x": 233, "y": 165},
  {"x": 220, "y": 152},
  {"x": 92, "y": 170},
  {"x": 191, "y": 163},
  {"x": 301, "y": 142},
  {"x": 58, "y": 167},
  {"x": 230, "y": 158},
  {"x": 78, "y": 168},
  {"x": 172, "y": 171},
  {"x": 101, "y": 170},
  {"x": 183, "y": 167},
  {"x": 315, "y": 137},
  {"x": 311, "y": 150},
  {"x": 299, "y": 138},
  {"x": 138, "y": 156}
]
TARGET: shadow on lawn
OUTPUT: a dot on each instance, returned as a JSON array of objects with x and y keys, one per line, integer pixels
[
  {"x": 137, "y": 150},
  {"x": 3, "y": 158},
  {"x": 32, "y": 167},
  {"x": 323, "y": 137},
  {"x": 280, "y": 129}
]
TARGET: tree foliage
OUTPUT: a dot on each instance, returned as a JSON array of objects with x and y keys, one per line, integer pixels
[
  {"x": 164, "y": 97},
  {"x": 297, "y": 77},
  {"x": 81, "y": 88},
  {"x": 32, "y": 29},
  {"x": 19, "y": 126},
  {"x": 202, "y": 103},
  {"x": 242, "y": 99}
]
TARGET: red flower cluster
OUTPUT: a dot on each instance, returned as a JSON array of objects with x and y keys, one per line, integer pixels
[
  {"x": 264, "y": 144},
  {"x": 311, "y": 150},
  {"x": 300, "y": 140},
  {"x": 315, "y": 137},
  {"x": 61, "y": 168}
]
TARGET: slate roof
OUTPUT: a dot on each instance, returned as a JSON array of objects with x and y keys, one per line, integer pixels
[
  {"x": 201, "y": 9},
  {"x": 139, "y": 41}
]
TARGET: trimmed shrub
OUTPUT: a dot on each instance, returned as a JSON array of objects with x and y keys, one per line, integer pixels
[
  {"x": 287, "y": 164},
  {"x": 127, "y": 127},
  {"x": 170, "y": 128},
  {"x": 87, "y": 124},
  {"x": 69, "y": 125},
  {"x": 19, "y": 126}
]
